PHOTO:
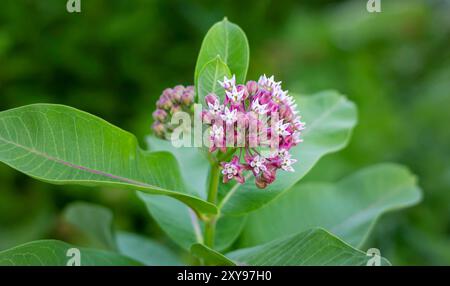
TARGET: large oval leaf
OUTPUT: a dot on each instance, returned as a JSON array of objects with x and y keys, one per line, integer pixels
[
  {"x": 208, "y": 79},
  {"x": 312, "y": 247},
  {"x": 348, "y": 208},
  {"x": 228, "y": 41},
  {"x": 62, "y": 145},
  {"x": 315, "y": 247},
  {"x": 329, "y": 118},
  {"x": 56, "y": 253}
]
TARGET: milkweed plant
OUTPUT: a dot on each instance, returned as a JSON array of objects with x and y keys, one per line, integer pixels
[{"x": 221, "y": 174}]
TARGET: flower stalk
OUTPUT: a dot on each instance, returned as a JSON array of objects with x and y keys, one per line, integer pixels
[{"x": 210, "y": 225}]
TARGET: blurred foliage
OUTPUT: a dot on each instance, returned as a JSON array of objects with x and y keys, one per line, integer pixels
[{"x": 115, "y": 58}]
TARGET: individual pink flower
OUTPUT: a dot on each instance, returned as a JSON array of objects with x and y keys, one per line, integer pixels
[
  {"x": 232, "y": 169},
  {"x": 217, "y": 138}
]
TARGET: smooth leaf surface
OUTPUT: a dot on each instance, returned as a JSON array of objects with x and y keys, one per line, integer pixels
[
  {"x": 329, "y": 118},
  {"x": 208, "y": 79},
  {"x": 315, "y": 247},
  {"x": 210, "y": 256},
  {"x": 145, "y": 250},
  {"x": 349, "y": 208},
  {"x": 193, "y": 163},
  {"x": 62, "y": 145},
  {"x": 176, "y": 219},
  {"x": 182, "y": 225},
  {"x": 54, "y": 253},
  {"x": 94, "y": 221},
  {"x": 228, "y": 41}
]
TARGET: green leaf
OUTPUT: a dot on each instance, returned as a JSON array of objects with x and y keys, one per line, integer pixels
[
  {"x": 194, "y": 164},
  {"x": 176, "y": 219},
  {"x": 349, "y": 208},
  {"x": 329, "y": 118},
  {"x": 208, "y": 79},
  {"x": 55, "y": 253},
  {"x": 181, "y": 224},
  {"x": 36, "y": 225},
  {"x": 62, "y": 145},
  {"x": 95, "y": 221},
  {"x": 311, "y": 247},
  {"x": 228, "y": 41},
  {"x": 145, "y": 250},
  {"x": 210, "y": 256}
]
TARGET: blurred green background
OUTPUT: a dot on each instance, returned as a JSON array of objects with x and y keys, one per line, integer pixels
[{"x": 115, "y": 57}]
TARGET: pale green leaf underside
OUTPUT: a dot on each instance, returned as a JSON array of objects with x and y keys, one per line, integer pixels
[
  {"x": 208, "y": 79},
  {"x": 175, "y": 218},
  {"x": 94, "y": 221},
  {"x": 315, "y": 247},
  {"x": 193, "y": 163},
  {"x": 348, "y": 208},
  {"x": 210, "y": 256},
  {"x": 178, "y": 221},
  {"x": 54, "y": 253},
  {"x": 145, "y": 250},
  {"x": 62, "y": 145},
  {"x": 228, "y": 41},
  {"x": 329, "y": 118}
]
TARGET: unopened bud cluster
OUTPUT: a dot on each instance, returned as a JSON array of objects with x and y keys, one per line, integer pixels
[{"x": 171, "y": 101}]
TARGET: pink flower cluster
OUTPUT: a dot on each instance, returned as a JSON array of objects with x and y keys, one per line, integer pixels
[
  {"x": 172, "y": 100},
  {"x": 258, "y": 120}
]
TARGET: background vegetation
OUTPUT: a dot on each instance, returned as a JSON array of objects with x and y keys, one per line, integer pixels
[{"x": 116, "y": 57}]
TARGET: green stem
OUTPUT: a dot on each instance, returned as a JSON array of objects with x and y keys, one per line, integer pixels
[{"x": 210, "y": 224}]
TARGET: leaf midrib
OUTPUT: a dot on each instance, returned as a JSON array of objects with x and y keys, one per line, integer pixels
[{"x": 79, "y": 167}]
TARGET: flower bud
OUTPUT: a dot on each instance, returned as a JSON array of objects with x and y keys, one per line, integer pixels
[
  {"x": 159, "y": 115},
  {"x": 187, "y": 98},
  {"x": 174, "y": 109},
  {"x": 164, "y": 102},
  {"x": 241, "y": 87},
  {"x": 211, "y": 98},
  {"x": 158, "y": 128},
  {"x": 260, "y": 183},
  {"x": 177, "y": 93},
  {"x": 252, "y": 87}
]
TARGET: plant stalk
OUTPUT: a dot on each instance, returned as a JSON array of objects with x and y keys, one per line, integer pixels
[{"x": 210, "y": 225}]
